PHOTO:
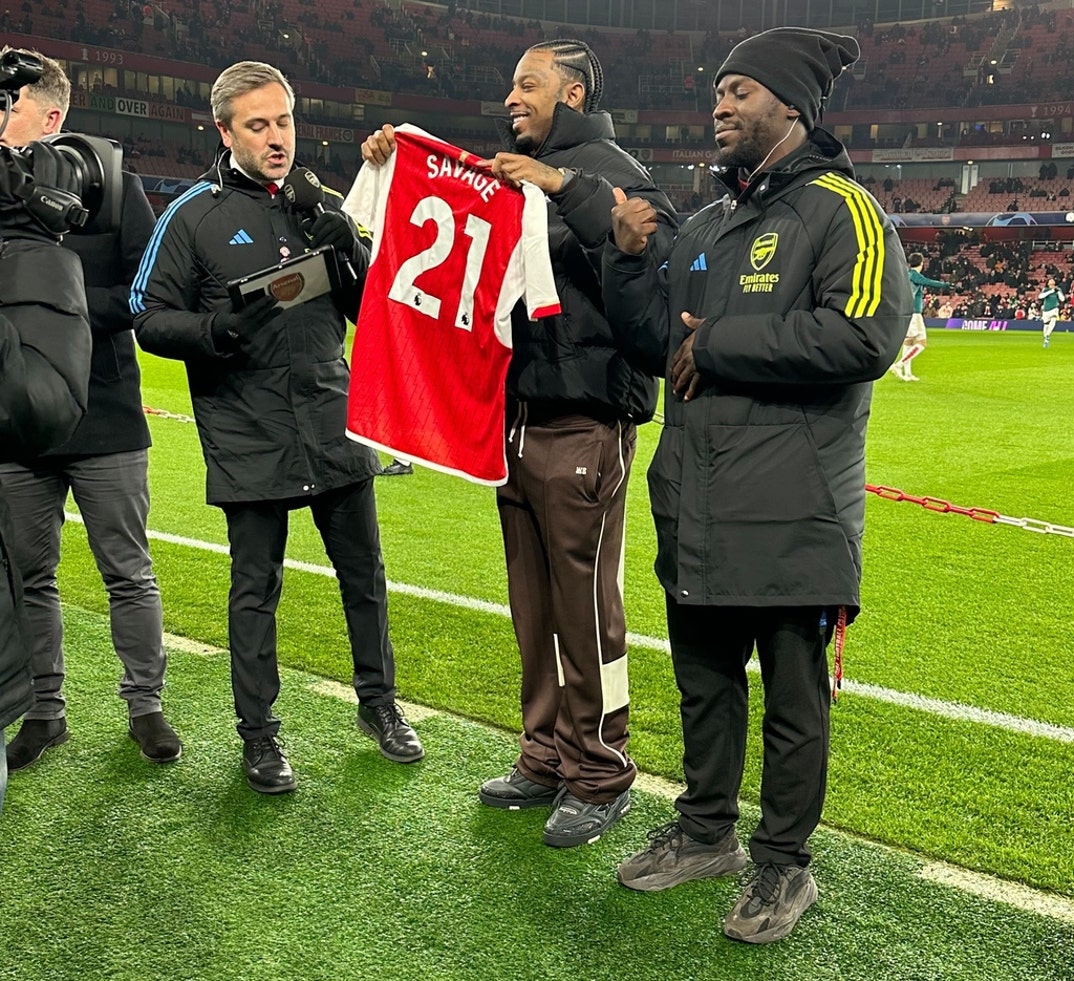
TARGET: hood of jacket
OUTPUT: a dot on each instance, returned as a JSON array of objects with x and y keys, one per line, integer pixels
[{"x": 569, "y": 129}]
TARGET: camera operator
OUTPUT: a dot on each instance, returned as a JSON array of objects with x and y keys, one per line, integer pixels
[
  {"x": 44, "y": 374},
  {"x": 104, "y": 464}
]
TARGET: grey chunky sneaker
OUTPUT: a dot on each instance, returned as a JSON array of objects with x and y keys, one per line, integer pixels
[
  {"x": 672, "y": 857},
  {"x": 574, "y": 822},
  {"x": 516, "y": 792},
  {"x": 771, "y": 904}
]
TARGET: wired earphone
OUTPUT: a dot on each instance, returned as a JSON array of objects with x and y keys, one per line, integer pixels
[{"x": 760, "y": 166}]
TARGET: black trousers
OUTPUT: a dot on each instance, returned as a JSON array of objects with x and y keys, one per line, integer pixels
[
  {"x": 710, "y": 647},
  {"x": 257, "y": 531}
]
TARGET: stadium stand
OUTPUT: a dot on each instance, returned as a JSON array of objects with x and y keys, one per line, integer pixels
[{"x": 1009, "y": 57}]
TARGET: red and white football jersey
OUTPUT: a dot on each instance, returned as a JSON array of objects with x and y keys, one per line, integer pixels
[{"x": 454, "y": 250}]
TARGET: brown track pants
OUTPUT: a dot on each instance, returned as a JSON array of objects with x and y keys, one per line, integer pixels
[{"x": 562, "y": 512}]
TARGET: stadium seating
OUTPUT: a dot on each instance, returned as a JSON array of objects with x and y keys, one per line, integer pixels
[{"x": 417, "y": 47}]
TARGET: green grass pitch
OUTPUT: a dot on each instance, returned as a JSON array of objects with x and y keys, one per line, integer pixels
[{"x": 117, "y": 869}]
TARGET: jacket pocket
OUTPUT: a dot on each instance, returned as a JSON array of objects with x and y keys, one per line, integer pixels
[
  {"x": 759, "y": 473},
  {"x": 106, "y": 361},
  {"x": 771, "y": 528}
]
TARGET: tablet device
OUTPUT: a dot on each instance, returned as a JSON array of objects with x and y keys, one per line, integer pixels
[{"x": 292, "y": 281}]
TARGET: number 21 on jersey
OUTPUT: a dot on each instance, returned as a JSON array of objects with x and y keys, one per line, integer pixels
[{"x": 404, "y": 288}]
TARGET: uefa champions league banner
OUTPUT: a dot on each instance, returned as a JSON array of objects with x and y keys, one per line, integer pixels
[
  {"x": 983, "y": 219},
  {"x": 987, "y": 323}
]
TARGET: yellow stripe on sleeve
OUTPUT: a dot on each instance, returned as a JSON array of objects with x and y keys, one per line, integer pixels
[{"x": 869, "y": 266}]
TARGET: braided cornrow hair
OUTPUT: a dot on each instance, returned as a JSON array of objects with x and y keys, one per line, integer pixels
[{"x": 576, "y": 58}]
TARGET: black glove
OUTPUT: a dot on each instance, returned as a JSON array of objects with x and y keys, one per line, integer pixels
[
  {"x": 52, "y": 168},
  {"x": 334, "y": 228},
  {"x": 39, "y": 192},
  {"x": 234, "y": 328}
]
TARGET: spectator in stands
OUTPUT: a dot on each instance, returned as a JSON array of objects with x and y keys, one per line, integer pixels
[
  {"x": 757, "y": 486},
  {"x": 267, "y": 452},
  {"x": 105, "y": 465}
]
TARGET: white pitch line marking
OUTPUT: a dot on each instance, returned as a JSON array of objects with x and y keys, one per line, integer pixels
[
  {"x": 956, "y": 711},
  {"x": 189, "y": 646},
  {"x": 334, "y": 689},
  {"x": 985, "y": 887},
  {"x": 1000, "y": 891}
]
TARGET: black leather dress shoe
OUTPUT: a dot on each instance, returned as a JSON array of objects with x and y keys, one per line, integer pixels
[
  {"x": 385, "y": 723},
  {"x": 267, "y": 769}
]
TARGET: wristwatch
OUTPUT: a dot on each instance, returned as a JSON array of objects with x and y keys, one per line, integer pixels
[{"x": 567, "y": 174}]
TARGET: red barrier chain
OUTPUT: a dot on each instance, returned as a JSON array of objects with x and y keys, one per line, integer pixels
[{"x": 976, "y": 514}]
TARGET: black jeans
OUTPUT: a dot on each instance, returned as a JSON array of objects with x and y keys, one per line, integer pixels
[
  {"x": 347, "y": 520},
  {"x": 710, "y": 647}
]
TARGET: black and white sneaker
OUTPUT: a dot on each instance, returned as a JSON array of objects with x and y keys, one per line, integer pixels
[
  {"x": 515, "y": 792},
  {"x": 574, "y": 822}
]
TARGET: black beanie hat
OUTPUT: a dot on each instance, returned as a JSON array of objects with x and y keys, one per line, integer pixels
[{"x": 796, "y": 64}]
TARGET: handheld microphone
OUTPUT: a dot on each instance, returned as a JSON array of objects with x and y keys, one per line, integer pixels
[{"x": 304, "y": 192}]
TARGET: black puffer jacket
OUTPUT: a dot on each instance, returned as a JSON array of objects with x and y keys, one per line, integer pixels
[
  {"x": 758, "y": 483},
  {"x": 271, "y": 417},
  {"x": 44, "y": 375},
  {"x": 583, "y": 360},
  {"x": 114, "y": 421}
]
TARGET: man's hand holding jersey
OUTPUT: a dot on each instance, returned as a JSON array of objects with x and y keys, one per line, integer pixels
[
  {"x": 379, "y": 145},
  {"x": 511, "y": 168},
  {"x": 514, "y": 168}
]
